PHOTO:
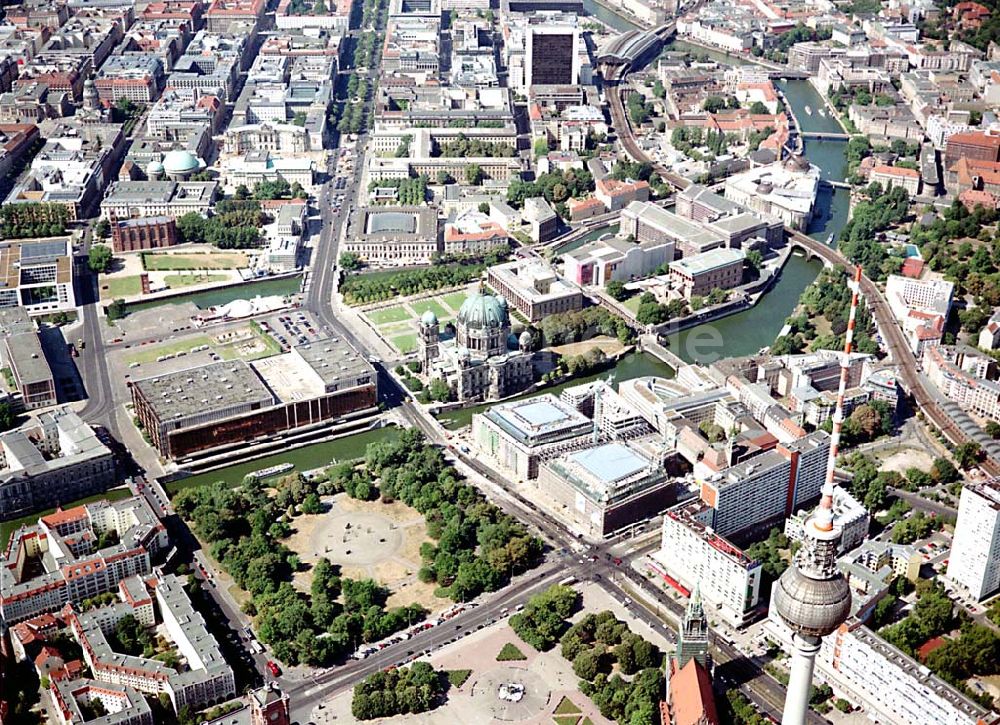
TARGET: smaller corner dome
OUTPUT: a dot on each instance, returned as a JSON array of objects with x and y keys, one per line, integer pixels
[
  {"x": 155, "y": 167},
  {"x": 180, "y": 161},
  {"x": 429, "y": 318},
  {"x": 525, "y": 338}
]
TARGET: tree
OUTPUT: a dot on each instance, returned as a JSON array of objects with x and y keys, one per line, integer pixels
[
  {"x": 99, "y": 258},
  {"x": 474, "y": 175},
  {"x": 544, "y": 617},
  {"x": 993, "y": 429},
  {"x": 350, "y": 261},
  {"x": 943, "y": 471},
  {"x": 587, "y": 664},
  {"x": 311, "y": 504},
  {"x": 484, "y": 208},
  {"x": 616, "y": 288},
  {"x": 103, "y": 228},
  {"x": 541, "y": 147},
  {"x": 967, "y": 454},
  {"x": 714, "y": 104},
  {"x": 117, "y": 310},
  {"x": 8, "y": 418}
]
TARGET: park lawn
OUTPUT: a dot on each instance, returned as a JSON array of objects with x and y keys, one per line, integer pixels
[
  {"x": 405, "y": 343},
  {"x": 388, "y": 315},
  {"x": 454, "y": 300},
  {"x": 566, "y": 719},
  {"x": 118, "y": 287},
  {"x": 174, "y": 281},
  {"x": 149, "y": 353},
  {"x": 7, "y": 528},
  {"x": 566, "y": 707},
  {"x": 632, "y": 303},
  {"x": 165, "y": 262},
  {"x": 433, "y": 305},
  {"x": 457, "y": 678}
]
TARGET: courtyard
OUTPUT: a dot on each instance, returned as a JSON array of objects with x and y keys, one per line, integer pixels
[{"x": 248, "y": 342}]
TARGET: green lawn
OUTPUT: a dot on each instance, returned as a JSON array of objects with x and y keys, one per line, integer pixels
[
  {"x": 433, "y": 305},
  {"x": 633, "y": 303},
  {"x": 566, "y": 719},
  {"x": 388, "y": 314},
  {"x": 8, "y": 527},
  {"x": 454, "y": 300},
  {"x": 510, "y": 653},
  {"x": 149, "y": 353},
  {"x": 231, "y": 352},
  {"x": 457, "y": 678},
  {"x": 174, "y": 281},
  {"x": 566, "y": 707},
  {"x": 166, "y": 262},
  {"x": 405, "y": 343},
  {"x": 118, "y": 287}
]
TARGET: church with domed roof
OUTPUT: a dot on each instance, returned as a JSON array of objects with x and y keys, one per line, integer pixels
[{"x": 483, "y": 361}]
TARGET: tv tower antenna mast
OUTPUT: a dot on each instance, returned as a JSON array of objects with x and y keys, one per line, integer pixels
[{"x": 812, "y": 596}]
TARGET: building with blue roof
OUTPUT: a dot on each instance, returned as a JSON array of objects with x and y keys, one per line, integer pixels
[
  {"x": 519, "y": 434},
  {"x": 604, "y": 488}
]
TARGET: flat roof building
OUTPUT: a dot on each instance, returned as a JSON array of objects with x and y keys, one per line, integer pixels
[
  {"x": 393, "y": 236},
  {"x": 37, "y": 275},
  {"x": 693, "y": 555},
  {"x": 519, "y": 435},
  {"x": 231, "y": 402},
  {"x": 605, "y": 488},
  {"x": 24, "y": 357}
]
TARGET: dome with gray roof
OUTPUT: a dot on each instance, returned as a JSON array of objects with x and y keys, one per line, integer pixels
[
  {"x": 429, "y": 319},
  {"x": 481, "y": 312}
]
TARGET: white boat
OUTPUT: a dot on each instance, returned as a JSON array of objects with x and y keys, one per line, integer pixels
[
  {"x": 829, "y": 239},
  {"x": 273, "y": 470},
  {"x": 808, "y": 110},
  {"x": 822, "y": 111}
]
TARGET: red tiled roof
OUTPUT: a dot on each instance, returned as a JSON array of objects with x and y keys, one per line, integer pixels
[
  {"x": 896, "y": 171},
  {"x": 691, "y": 699},
  {"x": 913, "y": 267}
]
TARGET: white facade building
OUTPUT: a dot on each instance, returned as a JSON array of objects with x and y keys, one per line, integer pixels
[
  {"x": 975, "y": 552},
  {"x": 692, "y": 554}
]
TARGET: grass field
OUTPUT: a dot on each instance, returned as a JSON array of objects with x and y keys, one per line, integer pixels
[
  {"x": 454, "y": 300},
  {"x": 405, "y": 343},
  {"x": 214, "y": 260},
  {"x": 8, "y": 527},
  {"x": 120, "y": 287},
  {"x": 433, "y": 305},
  {"x": 173, "y": 281},
  {"x": 566, "y": 707},
  {"x": 388, "y": 315},
  {"x": 633, "y": 303}
]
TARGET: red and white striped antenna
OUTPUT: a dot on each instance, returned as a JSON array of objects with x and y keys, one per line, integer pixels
[{"x": 824, "y": 516}]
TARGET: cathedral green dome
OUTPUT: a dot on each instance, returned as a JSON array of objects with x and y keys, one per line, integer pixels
[
  {"x": 429, "y": 319},
  {"x": 483, "y": 312}
]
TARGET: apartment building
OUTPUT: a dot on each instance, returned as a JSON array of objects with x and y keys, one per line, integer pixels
[
  {"x": 134, "y": 199},
  {"x": 208, "y": 679},
  {"x": 63, "y": 548},
  {"x": 59, "y": 458},
  {"x": 601, "y": 261},
  {"x": 920, "y": 307},
  {"x": 974, "y": 563}
]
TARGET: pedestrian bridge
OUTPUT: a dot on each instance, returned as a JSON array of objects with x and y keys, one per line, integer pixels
[{"x": 825, "y": 135}]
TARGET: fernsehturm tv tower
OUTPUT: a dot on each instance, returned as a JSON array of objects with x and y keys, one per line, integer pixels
[{"x": 812, "y": 596}]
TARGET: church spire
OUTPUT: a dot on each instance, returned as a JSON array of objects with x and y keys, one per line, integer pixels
[{"x": 692, "y": 639}]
